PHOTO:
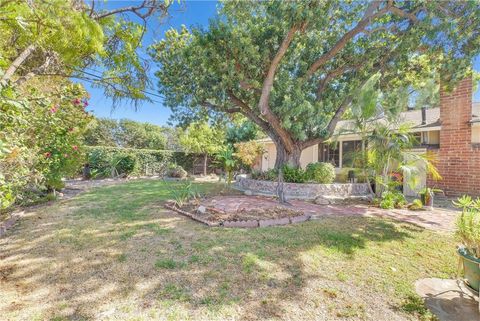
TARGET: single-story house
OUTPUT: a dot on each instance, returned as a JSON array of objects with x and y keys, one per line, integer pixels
[{"x": 451, "y": 131}]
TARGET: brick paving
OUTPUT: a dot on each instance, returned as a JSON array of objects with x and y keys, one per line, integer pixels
[{"x": 438, "y": 219}]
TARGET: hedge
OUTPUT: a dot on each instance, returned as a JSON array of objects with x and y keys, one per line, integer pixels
[{"x": 105, "y": 161}]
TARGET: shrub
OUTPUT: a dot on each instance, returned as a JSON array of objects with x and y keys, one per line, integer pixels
[
  {"x": 184, "y": 193},
  {"x": 323, "y": 173},
  {"x": 176, "y": 171},
  {"x": 104, "y": 161},
  {"x": 342, "y": 176},
  {"x": 416, "y": 205},
  {"x": 269, "y": 175},
  {"x": 248, "y": 152},
  {"x": 392, "y": 199},
  {"x": 124, "y": 164},
  {"x": 468, "y": 224},
  {"x": 293, "y": 174}
]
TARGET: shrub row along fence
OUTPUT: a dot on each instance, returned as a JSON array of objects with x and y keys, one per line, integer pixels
[{"x": 105, "y": 161}]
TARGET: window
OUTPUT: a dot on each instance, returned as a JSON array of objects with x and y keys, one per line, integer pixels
[
  {"x": 429, "y": 139},
  {"x": 329, "y": 153},
  {"x": 351, "y": 153},
  {"x": 418, "y": 139}
]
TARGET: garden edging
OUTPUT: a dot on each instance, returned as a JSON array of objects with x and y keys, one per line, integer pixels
[{"x": 242, "y": 224}]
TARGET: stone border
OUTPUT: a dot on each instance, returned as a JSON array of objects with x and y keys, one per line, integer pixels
[
  {"x": 304, "y": 191},
  {"x": 242, "y": 224},
  {"x": 190, "y": 215}
]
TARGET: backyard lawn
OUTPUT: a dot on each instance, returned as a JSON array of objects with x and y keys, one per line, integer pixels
[{"x": 116, "y": 253}]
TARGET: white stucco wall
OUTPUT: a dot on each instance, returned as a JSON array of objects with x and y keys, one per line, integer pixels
[{"x": 309, "y": 155}]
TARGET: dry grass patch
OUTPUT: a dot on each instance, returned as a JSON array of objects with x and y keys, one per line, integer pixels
[{"x": 115, "y": 254}]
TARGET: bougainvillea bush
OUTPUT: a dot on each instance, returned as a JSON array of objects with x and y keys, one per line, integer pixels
[{"x": 41, "y": 138}]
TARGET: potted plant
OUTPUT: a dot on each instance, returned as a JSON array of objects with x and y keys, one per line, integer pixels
[
  {"x": 427, "y": 194},
  {"x": 468, "y": 230}
]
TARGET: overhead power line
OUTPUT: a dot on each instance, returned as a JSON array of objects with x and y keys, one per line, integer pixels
[{"x": 99, "y": 77}]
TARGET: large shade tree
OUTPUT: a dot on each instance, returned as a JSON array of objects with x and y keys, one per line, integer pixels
[{"x": 293, "y": 67}]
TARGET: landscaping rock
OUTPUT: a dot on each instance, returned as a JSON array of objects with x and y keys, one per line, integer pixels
[
  {"x": 320, "y": 200},
  {"x": 248, "y": 192},
  {"x": 274, "y": 222},
  {"x": 202, "y": 209},
  {"x": 244, "y": 224},
  {"x": 299, "y": 219}
]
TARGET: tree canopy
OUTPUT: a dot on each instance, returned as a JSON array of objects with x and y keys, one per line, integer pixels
[
  {"x": 293, "y": 68},
  {"x": 201, "y": 138},
  {"x": 69, "y": 37},
  {"x": 125, "y": 133}
]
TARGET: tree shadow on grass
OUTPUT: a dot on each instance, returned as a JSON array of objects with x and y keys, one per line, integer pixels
[{"x": 84, "y": 259}]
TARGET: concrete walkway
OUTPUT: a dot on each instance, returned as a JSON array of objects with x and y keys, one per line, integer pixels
[
  {"x": 449, "y": 300},
  {"x": 437, "y": 219}
]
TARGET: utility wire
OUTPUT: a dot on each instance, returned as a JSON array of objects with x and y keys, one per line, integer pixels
[{"x": 100, "y": 78}]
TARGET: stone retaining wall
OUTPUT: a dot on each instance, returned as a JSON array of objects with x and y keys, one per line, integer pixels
[{"x": 303, "y": 191}]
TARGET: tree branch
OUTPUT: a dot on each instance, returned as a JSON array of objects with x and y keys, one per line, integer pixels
[
  {"x": 263, "y": 103},
  {"x": 367, "y": 18},
  {"x": 332, "y": 74},
  {"x": 49, "y": 59},
  {"x": 18, "y": 62},
  {"x": 150, "y": 5},
  {"x": 268, "y": 82},
  {"x": 248, "y": 112}
]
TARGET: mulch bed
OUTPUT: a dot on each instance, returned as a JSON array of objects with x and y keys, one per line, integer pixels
[{"x": 243, "y": 218}]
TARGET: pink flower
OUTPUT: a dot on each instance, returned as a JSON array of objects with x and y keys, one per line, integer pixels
[
  {"x": 75, "y": 147},
  {"x": 54, "y": 109},
  {"x": 85, "y": 104},
  {"x": 47, "y": 154},
  {"x": 77, "y": 101}
]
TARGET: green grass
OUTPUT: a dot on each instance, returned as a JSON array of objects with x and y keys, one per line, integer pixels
[
  {"x": 116, "y": 249},
  {"x": 168, "y": 264}
]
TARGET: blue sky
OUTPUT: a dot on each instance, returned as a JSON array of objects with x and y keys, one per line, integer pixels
[{"x": 188, "y": 13}]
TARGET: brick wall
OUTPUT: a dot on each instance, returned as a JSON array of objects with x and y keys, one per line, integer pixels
[{"x": 458, "y": 159}]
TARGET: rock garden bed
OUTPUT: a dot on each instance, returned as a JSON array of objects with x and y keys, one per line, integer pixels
[{"x": 207, "y": 213}]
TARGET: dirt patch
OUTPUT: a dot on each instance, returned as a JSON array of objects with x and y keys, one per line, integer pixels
[{"x": 215, "y": 215}]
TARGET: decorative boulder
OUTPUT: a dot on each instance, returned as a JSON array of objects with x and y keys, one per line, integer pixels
[
  {"x": 248, "y": 192},
  {"x": 320, "y": 200}
]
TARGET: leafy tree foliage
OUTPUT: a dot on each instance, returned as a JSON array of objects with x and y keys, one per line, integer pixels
[
  {"x": 125, "y": 133},
  {"x": 242, "y": 132},
  {"x": 293, "y": 68},
  {"x": 201, "y": 138},
  {"x": 63, "y": 37},
  {"x": 133, "y": 134},
  {"x": 248, "y": 152},
  {"x": 102, "y": 132}
]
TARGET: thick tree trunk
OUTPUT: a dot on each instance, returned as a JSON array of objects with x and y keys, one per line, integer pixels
[
  {"x": 205, "y": 161},
  {"x": 286, "y": 157}
]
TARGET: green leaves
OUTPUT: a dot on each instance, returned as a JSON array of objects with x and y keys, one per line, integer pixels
[
  {"x": 199, "y": 137},
  {"x": 395, "y": 51}
]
